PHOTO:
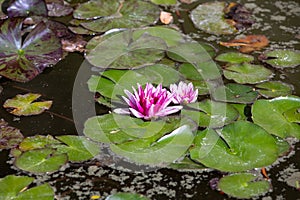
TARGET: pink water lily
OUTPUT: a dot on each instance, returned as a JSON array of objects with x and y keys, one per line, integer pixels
[
  {"x": 148, "y": 103},
  {"x": 183, "y": 93}
]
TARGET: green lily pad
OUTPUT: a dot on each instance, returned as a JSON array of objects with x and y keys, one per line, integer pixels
[
  {"x": 274, "y": 89},
  {"x": 186, "y": 164},
  {"x": 280, "y": 109},
  {"x": 10, "y": 137},
  {"x": 247, "y": 73},
  {"x": 241, "y": 109},
  {"x": 234, "y": 57},
  {"x": 15, "y": 187},
  {"x": 282, "y": 144},
  {"x": 40, "y": 160},
  {"x": 282, "y": 58},
  {"x": 292, "y": 115},
  {"x": 212, "y": 114},
  {"x": 25, "y": 105},
  {"x": 205, "y": 71},
  {"x": 126, "y": 196},
  {"x": 198, "y": 51},
  {"x": 164, "y": 2},
  {"x": 37, "y": 142},
  {"x": 243, "y": 146},
  {"x": 210, "y": 18},
  {"x": 243, "y": 185},
  {"x": 121, "y": 51},
  {"x": 78, "y": 148},
  {"x": 166, "y": 150},
  {"x": 116, "y": 14},
  {"x": 113, "y": 128},
  {"x": 235, "y": 93},
  {"x": 112, "y": 83}
]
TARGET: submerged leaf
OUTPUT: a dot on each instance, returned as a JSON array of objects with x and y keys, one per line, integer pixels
[
  {"x": 248, "y": 43},
  {"x": 10, "y": 137},
  {"x": 243, "y": 185},
  {"x": 22, "y": 60},
  {"x": 281, "y": 58},
  {"x": 16, "y": 187},
  {"x": 210, "y": 18},
  {"x": 278, "y": 116},
  {"x": 25, "y": 105}
]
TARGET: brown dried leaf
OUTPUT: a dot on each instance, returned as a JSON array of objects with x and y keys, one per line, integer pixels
[
  {"x": 248, "y": 43},
  {"x": 76, "y": 43}
]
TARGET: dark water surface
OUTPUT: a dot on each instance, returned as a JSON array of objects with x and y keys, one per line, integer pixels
[{"x": 278, "y": 20}]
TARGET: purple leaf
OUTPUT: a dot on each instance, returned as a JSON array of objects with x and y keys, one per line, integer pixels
[
  {"x": 10, "y": 137},
  {"x": 23, "y": 60},
  {"x": 23, "y": 8}
]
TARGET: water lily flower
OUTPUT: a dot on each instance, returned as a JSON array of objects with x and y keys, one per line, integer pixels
[
  {"x": 183, "y": 93},
  {"x": 148, "y": 103}
]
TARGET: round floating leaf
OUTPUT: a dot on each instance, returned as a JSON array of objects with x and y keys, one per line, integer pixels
[
  {"x": 164, "y": 2},
  {"x": 234, "y": 57},
  {"x": 205, "y": 71},
  {"x": 25, "y": 105},
  {"x": 15, "y": 187},
  {"x": 59, "y": 9},
  {"x": 167, "y": 149},
  {"x": 243, "y": 146},
  {"x": 283, "y": 145},
  {"x": 112, "y": 128},
  {"x": 274, "y": 115},
  {"x": 37, "y": 142},
  {"x": 274, "y": 89},
  {"x": 126, "y": 196},
  {"x": 78, "y": 148},
  {"x": 282, "y": 58},
  {"x": 243, "y": 185},
  {"x": 209, "y": 17},
  {"x": 116, "y": 14},
  {"x": 25, "y": 8},
  {"x": 10, "y": 137},
  {"x": 121, "y": 51},
  {"x": 210, "y": 113},
  {"x": 112, "y": 83},
  {"x": 186, "y": 164},
  {"x": 40, "y": 160},
  {"x": 247, "y": 73},
  {"x": 235, "y": 93},
  {"x": 23, "y": 60},
  {"x": 241, "y": 109}
]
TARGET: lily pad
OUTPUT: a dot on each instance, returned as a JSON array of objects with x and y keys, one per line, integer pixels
[
  {"x": 282, "y": 58},
  {"x": 121, "y": 51},
  {"x": 283, "y": 146},
  {"x": 116, "y": 14},
  {"x": 16, "y": 187},
  {"x": 26, "y": 8},
  {"x": 186, "y": 164},
  {"x": 211, "y": 114},
  {"x": 126, "y": 196},
  {"x": 78, "y": 148},
  {"x": 242, "y": 146},
  {"x": 40, "y": 160},
  {"x": 274, "y": 89},
  {"x": 112, "y": 83},
  {"x": 235, "y": 93},
  {"x": 25, "y": 105},
  {"x": 165, "y": 150},
  {"x": 206, "y": 70},
  {"x": 58, "y": 9},
  {"x": 210, "y": 18},
  {"x": 37, "y": 142},
  {"x": 22, "y": 60},
  {"x": 10, "y": 137},
  {"x": 243, "y": 185},
  {"x": 164, "y": 2},
  {"x": 282, "y": 110},
  {"x": 247, "y": 73},
  {"x": 234, "y": 57}
]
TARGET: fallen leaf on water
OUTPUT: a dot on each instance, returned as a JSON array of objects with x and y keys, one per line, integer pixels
[
  {"x": 166, "y": 17},
  {"x": 248, "y": 43},
  {"x": 25, "y": 105}
]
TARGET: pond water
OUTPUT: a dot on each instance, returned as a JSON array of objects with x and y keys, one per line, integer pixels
[{"x": 278, "y": 20}]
